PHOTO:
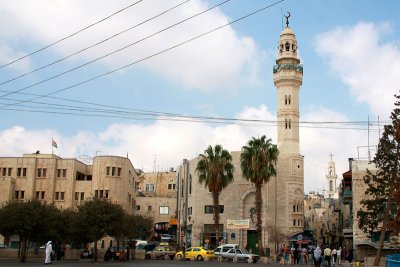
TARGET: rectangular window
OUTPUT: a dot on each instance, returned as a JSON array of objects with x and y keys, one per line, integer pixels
[
  {"x": 149, "y": 187},
  {"x": 58, "y": 173},
  {"x": 96, "y": 193},
  {"x": 106, "y": 193},
  {"x": 113, "y": 169},
  {"x": 16, "y": 194},
  {"x": 4, "y": 171},
  {"x": 64, "y": 173},
  {"x": 190, "y": 211},
  {"x": 171, "y": 186},
  {"x": 22, "y": 194},
  {"x": 37, "y": 194},
  {"x": 88, "y": 177},
  {"x": 9, "y": 171},
  {"x": 19, "y": 170},
  {"x": 149, "y": 208},
  {"x": 101, "y": 193},
  {"x": 82, "y": 196},
  {"x": 62, "y": 195},
  {"x": 108, "y": 170},
  {"x": 208, "y": 209},
  {"x": 24, "y": 172},
  {"x": 76, "y": 196},
  {"x": 80, "y": 176},
  {"x": 39, "y": 172},
  {"x": 57, "y": 195},
  {"x": 163, "y": 209},
  {"x": 137, "y": 207},
  {"x": 119, "y": 171},
  {"x": 42, "y": 194},
  {"x": 44, "y": 171}
]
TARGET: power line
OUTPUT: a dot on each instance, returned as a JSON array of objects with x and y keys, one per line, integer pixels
[
  {"x": 151, "y": 115},
  {"x": 93, "y": 45},
  {"x": 115, "y": 51},
  {"x": 71, "y": 35},
  {"x": 147, "y": 57}
]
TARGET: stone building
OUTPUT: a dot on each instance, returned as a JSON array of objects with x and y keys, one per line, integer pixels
[
  {"x": 156, "y": 197},
  {"x": 283, "y": 196},
  {"x": 66, "y": 182},
  {"x": 321, "y": 216}
]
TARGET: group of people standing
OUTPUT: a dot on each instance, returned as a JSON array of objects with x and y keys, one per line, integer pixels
[
  {"x": 327, "y": 256},
  {"x": 307, "y": 255}
]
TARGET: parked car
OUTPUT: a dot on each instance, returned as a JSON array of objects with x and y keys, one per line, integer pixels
[
  {"x": 239, "y": 255},
  {"x": 224, "y": 248},
  {"x": 146, "y": 246},
  {"x": 166, "y": 238},
  {"x": 160, "y": 253},
  {"x": 198, "y": 253}
]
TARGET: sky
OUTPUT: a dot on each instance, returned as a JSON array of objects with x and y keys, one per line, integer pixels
[{"x": 160, "y": 81}]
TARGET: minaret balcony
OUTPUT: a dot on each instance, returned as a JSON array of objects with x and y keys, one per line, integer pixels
[{"x": 296, "y": 67}]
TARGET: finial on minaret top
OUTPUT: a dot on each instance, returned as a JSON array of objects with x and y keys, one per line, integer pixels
[
  {"x": 331, "y": 155},
  {"x": 287, "y": 19}
]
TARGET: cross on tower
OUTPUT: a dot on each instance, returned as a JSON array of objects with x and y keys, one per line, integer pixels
[{"x": 331, "y": 155}]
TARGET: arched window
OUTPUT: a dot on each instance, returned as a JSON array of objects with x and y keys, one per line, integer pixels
[
  {"x": 290, "y": 123},
  {"x": 294, "y": 208},
  {"x": 286, "y": 123},
  {"x": 330, "y": 185},
  {"x": 290, "y": 99},
  {"x": 287, "y": 46},
  {"x": 286, "y": 99}
]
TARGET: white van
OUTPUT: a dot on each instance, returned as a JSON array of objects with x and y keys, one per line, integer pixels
[{"x": 224, "y": 248}]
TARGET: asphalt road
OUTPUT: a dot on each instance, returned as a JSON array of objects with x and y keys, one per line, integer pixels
[{"x": 135, "y": 263}]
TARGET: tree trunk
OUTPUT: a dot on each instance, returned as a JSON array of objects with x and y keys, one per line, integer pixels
[
  {"x": 383, "y": 232},
  {"x": 95, "y": 252},
  {"x": 215, "y": 196},
  {"x": 259, "y": 219}
]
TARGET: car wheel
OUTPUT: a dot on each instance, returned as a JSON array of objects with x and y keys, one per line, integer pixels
[
  {"x": 179, "y": 257},
  {"x": 199, "y": 258}
]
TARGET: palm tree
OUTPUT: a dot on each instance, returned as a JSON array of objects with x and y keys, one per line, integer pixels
[
  {"x": 216, "y": 171},
  {"x": 257, "y": 161}
]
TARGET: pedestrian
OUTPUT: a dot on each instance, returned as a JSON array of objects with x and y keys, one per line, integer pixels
[
  {"x": 327, "y": 256},
  {"x": 339, "y": 255},
  {"x": 48, "y": 251},
  {"x": 184, "y": 251},
  {"x": 317, "y": 257},
  {"x": 304, "y": 255},
  {"x": 334, "y": 256},
  {"x": 350, "y": 255}
]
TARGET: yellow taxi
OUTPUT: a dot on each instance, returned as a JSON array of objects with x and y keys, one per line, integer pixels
[{"x": 198, "y": 253}]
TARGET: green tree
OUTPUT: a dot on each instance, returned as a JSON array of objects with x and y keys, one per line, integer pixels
[
  {"x": 379, "y": 209},
  {"x": 32, "y": 221},
  {"x": 257, "y": 161},
  {"x": 97, "y": 218},
  {"x": 137, "y": 227},
  {"x": 215, "y": 169}
]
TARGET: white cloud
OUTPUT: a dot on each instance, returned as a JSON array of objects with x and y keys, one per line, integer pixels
[
  {"x": 317, "y": 143},
  {"x": 365, "y": 62},
  {"x": 167, "y": 143},
  {"x": 222, "y": 58}
]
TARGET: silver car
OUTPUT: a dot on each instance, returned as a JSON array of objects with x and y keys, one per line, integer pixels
[{"x": 239, "y": 255}]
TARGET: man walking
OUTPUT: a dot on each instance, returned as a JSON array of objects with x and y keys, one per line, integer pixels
[{"x": 327, "y": 256}]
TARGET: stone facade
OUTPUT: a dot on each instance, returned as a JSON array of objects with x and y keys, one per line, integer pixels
[
  {"x": 67, "y": 182},
  {"x": 156, "y": 197}
]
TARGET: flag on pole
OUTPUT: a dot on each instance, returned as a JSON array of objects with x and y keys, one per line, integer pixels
[{"x": 53, "y": 143}]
